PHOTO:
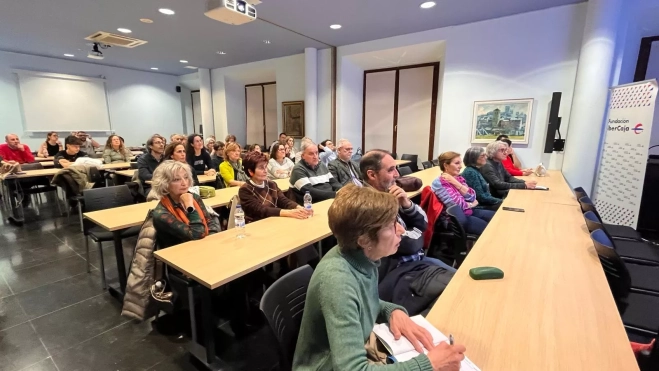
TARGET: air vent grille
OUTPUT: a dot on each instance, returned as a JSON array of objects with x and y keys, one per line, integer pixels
[{"x": 115, "y": 40}]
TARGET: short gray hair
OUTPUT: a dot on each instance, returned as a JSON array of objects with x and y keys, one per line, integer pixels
[
  {"x": 494, "y": 147},
  {"x": 472, "y": 155},
  {"x": 306, "y": 144},
  {"x": 164, "y": 175},
  {"x": 341, "y": 143}
]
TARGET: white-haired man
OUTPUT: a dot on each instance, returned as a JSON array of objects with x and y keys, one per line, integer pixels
[
  {"x": 343, "y": 168},
  {"x": 310, "y": 175}
]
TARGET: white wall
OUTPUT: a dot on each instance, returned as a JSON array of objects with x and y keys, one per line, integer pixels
[
  {"x": 324, "y": 114},
  {"x": 653, "y": 73},
  {"x": 229, "y": 90},
  {"x": 528, "y": 55},
  {"x": 140, "y": 103}
]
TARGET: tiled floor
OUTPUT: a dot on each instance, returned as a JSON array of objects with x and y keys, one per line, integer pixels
[{"x": 55, "y": 316}]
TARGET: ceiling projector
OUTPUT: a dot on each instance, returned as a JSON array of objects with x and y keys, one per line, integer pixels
[
  {"x": 96, "y": 53},
  {"x": 231, "y": 11}
]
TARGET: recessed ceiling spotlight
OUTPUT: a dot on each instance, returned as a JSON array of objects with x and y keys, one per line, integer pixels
[
  {"x": 124, "y": 30},
  {"x": 166, "y": 11},
  {"x": 69, "y": 55},
  {"x": 266, "y": 41},
  {"x": 145, "y": 20},
  {"x": 183, "y": 61},
  {"x": 154, "y": 68},
  {"x": 220, "y": 52},
  {"x": 428, "y": 5},
  {"x": 335, "y": 26}
]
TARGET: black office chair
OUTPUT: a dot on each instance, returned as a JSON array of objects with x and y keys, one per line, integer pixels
[
  {"x": 633, "y": 251},
  {"x": 101, "y": 199},
  {"x": 413, "y": 159},
  {"x": 638, "y": 310},
  {"x": 40, "y": 185},
  {"x": 426, "y": 165},
  {"x": 580, "y": 192},
  {"x": 404, "y": 170},
  {"x": 616, "y": 231},
  {"x": 461, "y": 240},
  {"x": 283, "y": 305},
  {"x": 435, "y": 162}
]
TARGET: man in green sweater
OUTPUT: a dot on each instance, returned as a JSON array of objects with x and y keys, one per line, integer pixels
[{"x": 342, "y": 303}]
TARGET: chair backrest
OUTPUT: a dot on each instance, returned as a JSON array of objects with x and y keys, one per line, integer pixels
[
  {"x": 105, "y": 198},
  {"x": 580, "y": 192},
  {"x": 232, "y": 211},
  {"x": 32, "y": 166},
  {"x": 435, "y": 162},
  {"x": 457, "y": 220},
  {"x": 404, "y": 170},
  {"x": 588, "y": 205},
  {"x": 593, "y": 222},
  {"x": 413, "y": 159},
  {"x": 283, "y": 306},
  {"x": 426, "y": 164},
  {"x": 614, "y": 267}
]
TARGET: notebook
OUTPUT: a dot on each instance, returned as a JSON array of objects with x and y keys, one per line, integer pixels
[{"x": 402, "y": 350}]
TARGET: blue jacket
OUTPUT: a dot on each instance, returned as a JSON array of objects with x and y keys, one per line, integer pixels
[{"x": 476, "y": 182}]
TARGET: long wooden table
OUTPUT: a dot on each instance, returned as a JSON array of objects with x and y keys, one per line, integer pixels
[
  {"x": 202, "y": 178},
  {"x": 553, "y": 310}
]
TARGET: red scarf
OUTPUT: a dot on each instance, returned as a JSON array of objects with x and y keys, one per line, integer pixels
[{"x": 181, "y": 215}]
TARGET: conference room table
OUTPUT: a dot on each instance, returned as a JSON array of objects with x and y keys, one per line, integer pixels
[
  {"x": 402, "y": 162},
  {"x": 15, "y": 210},
  {"x": 553, "y": 310},
  {"x": 40, "y": 159},
  {"x": 119, "y": 218},
  {"x": 202, "y": 178}
]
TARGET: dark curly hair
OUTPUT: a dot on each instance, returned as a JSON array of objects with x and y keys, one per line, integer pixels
[{"x": 252, "y": 160}]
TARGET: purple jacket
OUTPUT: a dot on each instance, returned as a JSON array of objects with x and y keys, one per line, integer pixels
[{"x": 456, "y": 196}]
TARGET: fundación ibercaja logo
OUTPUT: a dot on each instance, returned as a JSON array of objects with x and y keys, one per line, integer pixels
[{"x": 616, "y": 125}]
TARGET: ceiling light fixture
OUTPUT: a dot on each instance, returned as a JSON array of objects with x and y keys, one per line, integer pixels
[
  {"x": 220, "y": 52},
  {"x": 191, "y": 67},
  {"x": 69, "y": 55},
  {"x": 183, "y": 61},
  {"x": 335, "y": 26},
  {"x": 166, "y": 11},
  {"x": 154, "y": 68},
  {"x": 428, "y": 5},
  {"x": 124, "y": 30},
  {"x": 145, "y": 20},
  {"x": 266, "y": 41}
]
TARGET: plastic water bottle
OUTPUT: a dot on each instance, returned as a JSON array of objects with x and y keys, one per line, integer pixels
[
  {"x": 239, "y": 221},
  {"x": 307, "y": 201}
]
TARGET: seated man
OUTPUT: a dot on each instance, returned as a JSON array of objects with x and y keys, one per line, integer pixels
[
  {"x": 148, "y": 162},
  {"x": 64, "y": 159},
  {"x": 379, "y": 171},
  {"x": 310, "y": 175},
  {"x": 88, "y": 145},
  {"x": 343, "y": 168},
  {"x": 14, "y": 150}
]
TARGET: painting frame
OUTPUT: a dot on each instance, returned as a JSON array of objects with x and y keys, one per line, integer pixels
[
  {"x": 483, "y": 130},
  {"x": 292, "y": 121}
]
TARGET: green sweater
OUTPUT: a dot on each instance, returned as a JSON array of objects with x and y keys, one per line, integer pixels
[{"x": 341, "y": 309}]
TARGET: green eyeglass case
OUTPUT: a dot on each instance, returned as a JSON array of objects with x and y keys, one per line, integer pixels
[{"x": 486, "y": 273}]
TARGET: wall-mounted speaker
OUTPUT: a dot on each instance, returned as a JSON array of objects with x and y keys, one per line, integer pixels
[
  {"x": 178, "y": 89},
  {"x": 551, "y": 143}
]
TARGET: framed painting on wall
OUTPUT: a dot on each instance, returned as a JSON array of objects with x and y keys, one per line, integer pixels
[
  {"x": 293, "y": 118},
  {"x": 511, "y": 117}
]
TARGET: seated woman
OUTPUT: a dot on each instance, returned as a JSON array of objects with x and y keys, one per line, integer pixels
[
  {"x": 218, "y": 155},
  {"x": 474, "y": 158},
  {"x": 509, "y": 162},
  {"x": 230, "y": 139},
  {"x": 260, "y": 198},
  {"x": 231, "y": 170},
  {"x": 197, "y": 156},
  {"x": 458, "y": 193},
  {"x": 292, "y": 152},
  {"x": 342, "y": 304},
  {"x": 115, "y": 151},
  {"x": 180, "y": 216},
  {"x": 279, "y": 166},
  {"x": 209, "y": 143},
  {"x": 51, "y": 146},
  {"x": 254, "y": 148},
  {"x": 497, "y": 176},
  {"x": 176, "y": 151}
]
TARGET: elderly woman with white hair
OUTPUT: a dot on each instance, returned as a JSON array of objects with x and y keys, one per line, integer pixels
[
  {"x": 499, "y": 178},
  {"x": 180, "y": 216},
  {"x": 474, "y": 159}
]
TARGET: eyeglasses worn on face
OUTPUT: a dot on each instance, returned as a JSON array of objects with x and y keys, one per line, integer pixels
[{"x": 503, "y": 150}]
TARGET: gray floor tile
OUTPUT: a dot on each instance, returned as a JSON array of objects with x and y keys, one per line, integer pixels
[
  {"x": 45, "y": 365},
  {"x": 33, "y": 277},
  {"x": 11, "y": 313},
  {"x": 20, "y": 347}
]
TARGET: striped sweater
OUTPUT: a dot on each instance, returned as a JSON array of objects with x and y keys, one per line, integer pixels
[{"x": 316, "y": 180}]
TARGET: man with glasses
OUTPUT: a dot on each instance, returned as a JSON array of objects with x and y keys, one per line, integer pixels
[
  {"x": 343, "y": 168},
  {"x": 148, "y": 162}
]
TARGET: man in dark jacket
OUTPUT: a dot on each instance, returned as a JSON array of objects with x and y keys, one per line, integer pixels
[
  {"x": 148, "y": 162},
  {"x": 343, "y": 168},
  {"x": 310, "y": 175},
  {"x": 499, "y": 178},
  {"x": 379, "y": 171}
]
